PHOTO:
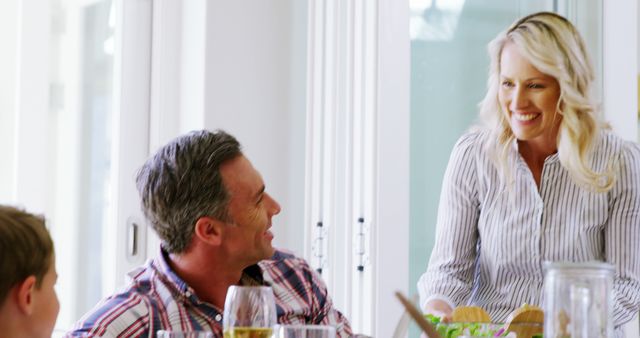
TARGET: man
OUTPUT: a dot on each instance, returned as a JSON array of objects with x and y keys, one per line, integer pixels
[
  {"x": 28, "y": 302},
  {"x": 210, "y": 209}
]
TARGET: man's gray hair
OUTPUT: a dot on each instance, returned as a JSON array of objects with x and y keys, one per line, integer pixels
[{"x": 182, "y": 183}]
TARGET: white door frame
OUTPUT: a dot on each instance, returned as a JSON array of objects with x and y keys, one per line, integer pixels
[
  {"x": 358, "y": 157},
  {"x": 130, "y": 147}
]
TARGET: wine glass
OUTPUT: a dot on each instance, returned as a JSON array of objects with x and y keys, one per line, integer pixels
[
  {"x": 249, "y": 312},
  {"x": 305, "y": 331},
  {"x": 186, "y": 334}
]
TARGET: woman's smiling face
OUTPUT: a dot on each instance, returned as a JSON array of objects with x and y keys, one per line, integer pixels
[{"x": 529, "y": 98}]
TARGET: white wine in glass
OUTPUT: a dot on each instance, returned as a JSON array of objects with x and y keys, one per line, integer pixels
[
  {"x": 248, "y": 332},
  {"x": 249, "y": 312}
]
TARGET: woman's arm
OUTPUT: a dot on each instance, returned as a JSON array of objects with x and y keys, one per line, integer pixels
[
  {"x": 622, "y": 236},
  {"x": 449, "y": 276}
]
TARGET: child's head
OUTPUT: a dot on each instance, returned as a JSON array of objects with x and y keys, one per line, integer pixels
[{"x": 28, "y": 302}]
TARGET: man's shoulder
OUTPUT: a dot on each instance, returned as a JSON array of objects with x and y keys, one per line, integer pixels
[
  {"x": 285, "y": 255},
  {"x": 284, "y": 259},
  {"x": 116, "y": 313},
  {"x": 282, "y": 254},
  {"x": 142, "y": 285},
  {"x": 291, "y": 278},
  {"x": 125, "y": 310}
]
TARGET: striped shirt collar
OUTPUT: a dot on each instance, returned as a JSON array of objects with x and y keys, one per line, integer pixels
[{"x": 553, "y": 158}]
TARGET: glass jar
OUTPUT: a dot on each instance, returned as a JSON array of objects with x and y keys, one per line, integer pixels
[{"x": 578, "y": 300}]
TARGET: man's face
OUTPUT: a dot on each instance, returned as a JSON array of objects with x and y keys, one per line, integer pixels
[
  {"x": 46, "y": 305},
  {"x": 250, "y": 209}
]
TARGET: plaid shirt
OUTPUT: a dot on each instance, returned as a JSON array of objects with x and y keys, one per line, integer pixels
[{"x": 157, "y": 299}]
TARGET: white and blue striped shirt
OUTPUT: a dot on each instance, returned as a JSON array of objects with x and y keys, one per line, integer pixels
[{"x": 491, "y": 243}]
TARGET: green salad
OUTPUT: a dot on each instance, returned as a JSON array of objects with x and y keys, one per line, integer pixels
[{"x": 453, "y": 330}]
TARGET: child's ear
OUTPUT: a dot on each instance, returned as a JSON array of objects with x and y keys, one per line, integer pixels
[{"x": 24, "y": 294}]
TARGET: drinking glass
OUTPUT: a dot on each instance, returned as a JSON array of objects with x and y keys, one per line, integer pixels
[
  {"x": 58, "y": 333},
  {"x": 305, "y": 331},
  {"x": 578, "y": 300},
  {"x": 249, "y": 312},
  {"x": 180, "y": 334}
]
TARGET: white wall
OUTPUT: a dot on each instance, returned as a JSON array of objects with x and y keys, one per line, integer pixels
[
  {"x": 255, "y": 89},
  {"x": 620, "y": 72},
  {"x": 8, "y": 65}
]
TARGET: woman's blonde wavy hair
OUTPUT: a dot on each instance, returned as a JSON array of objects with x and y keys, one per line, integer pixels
[{"x": 554, "y": 46}]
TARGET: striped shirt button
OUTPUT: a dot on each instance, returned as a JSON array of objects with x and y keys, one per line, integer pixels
[{"x": 218, "y": 317}]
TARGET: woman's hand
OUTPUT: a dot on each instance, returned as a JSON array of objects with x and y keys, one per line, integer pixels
[{"x": 440, "y": 309}]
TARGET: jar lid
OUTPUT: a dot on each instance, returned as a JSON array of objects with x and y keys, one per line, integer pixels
[{"x": 591, "y": 265}]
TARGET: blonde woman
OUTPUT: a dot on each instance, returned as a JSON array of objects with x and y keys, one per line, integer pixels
[{"x": 540, "y": 179}]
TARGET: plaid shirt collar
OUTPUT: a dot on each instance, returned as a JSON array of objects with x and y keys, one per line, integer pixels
[{"x": 251, "y": 276}]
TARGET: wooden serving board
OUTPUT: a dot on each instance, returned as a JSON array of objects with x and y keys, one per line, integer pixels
[
  {"x": 470, "y": 314},
  {"x": 526, "y": 321}
]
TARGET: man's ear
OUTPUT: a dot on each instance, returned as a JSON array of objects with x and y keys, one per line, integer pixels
[
  {"x": 24, "y": 294},
  {"x": 209, "y": 230}
]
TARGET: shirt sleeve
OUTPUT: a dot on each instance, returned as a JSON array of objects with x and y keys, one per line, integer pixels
[
  {"x": 123, "y": 315},
  {"x": 326, "y": 313},
  {"x": 451, "y": 267},
  {"x": 622, "y": 236}
]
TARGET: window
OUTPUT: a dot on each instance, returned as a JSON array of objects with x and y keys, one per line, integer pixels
[{"x": 62, "y": 114}]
